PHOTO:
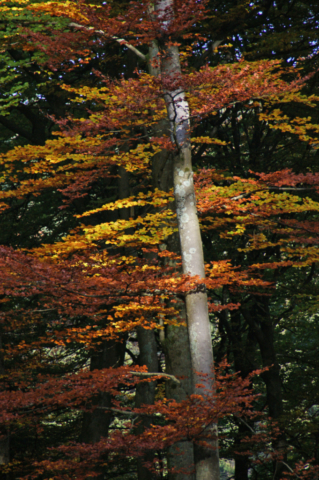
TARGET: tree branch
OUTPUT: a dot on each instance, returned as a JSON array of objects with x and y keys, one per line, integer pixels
[
  {"x": 126, "y": 412},
  {"x": 16, "y": 129},
  {"x": 152, "y": 374},
  {"x": 121, "y": 41}
]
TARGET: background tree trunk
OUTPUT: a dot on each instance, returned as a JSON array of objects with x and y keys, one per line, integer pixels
[
  {"x": 145, "y": 393},
  {"x": 96, "y": 423},
  {"x": 263, "y": 328},
  {"x": 4, "y": 435},
  {"x": 178, "y": 363}
]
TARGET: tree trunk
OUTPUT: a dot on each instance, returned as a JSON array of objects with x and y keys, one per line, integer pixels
[
  {"x": 274, "y": 387},
  {"x": 261, "y": 324},
  {"x": 4, "y": 435},
  {"x": 96, "y": 423},
  {"x": 175, "y": 341},
  {"x": 241, "y": 462},
  {"x": 244, "y": 350},
  {"x": 145, "y": 393},
  {"x": 264, "y": 332},
  {"x": 199, "y": 329},
  {"x": 178, "y": 363}
]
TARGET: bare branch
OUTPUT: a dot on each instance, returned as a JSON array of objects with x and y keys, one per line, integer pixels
[
  {"x": 121, "y": 41},
  {"x": 152, "y": 374},
  {"x": 125, "y": 412},
  {"x": 245, "y": 423}
]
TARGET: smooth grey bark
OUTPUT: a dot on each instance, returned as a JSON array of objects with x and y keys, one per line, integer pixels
[
  {"x": 175, "y": 341},
  {"x": 199, "y": 330}
]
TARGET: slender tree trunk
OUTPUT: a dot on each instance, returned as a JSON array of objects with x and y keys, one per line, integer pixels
[
  {"x": 261, "y": 324},
  {"x": 145, "y": 392},
  {"x": 175, "y": 341},
  {"x": 274, "y": 388},
  {"x": 241, "y": 462},
  {"x": 4, "y": 435},
  {"x": 96, "y": 423},
  {"x": 178, "y": 363},
  {"x": 244, "y": 350},
  {"x": 199, "y": 329},
  {"x": 111, "y": 354},
  {"x": 264, "y": 332}
]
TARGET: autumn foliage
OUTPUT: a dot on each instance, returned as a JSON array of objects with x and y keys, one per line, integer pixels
[{"x": 112, "y": 272}]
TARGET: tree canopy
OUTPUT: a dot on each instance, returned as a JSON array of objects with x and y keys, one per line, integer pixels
[{"x": 159, "y": 170}]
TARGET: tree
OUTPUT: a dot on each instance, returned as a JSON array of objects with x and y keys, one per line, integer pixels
[{"x": 93, "y": 284}]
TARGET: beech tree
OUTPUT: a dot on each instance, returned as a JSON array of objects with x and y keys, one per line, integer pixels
[{"x": 96, "y": 294}]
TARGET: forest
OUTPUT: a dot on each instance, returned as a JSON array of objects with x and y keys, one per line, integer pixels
[{"x": 159, "y": 234}]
